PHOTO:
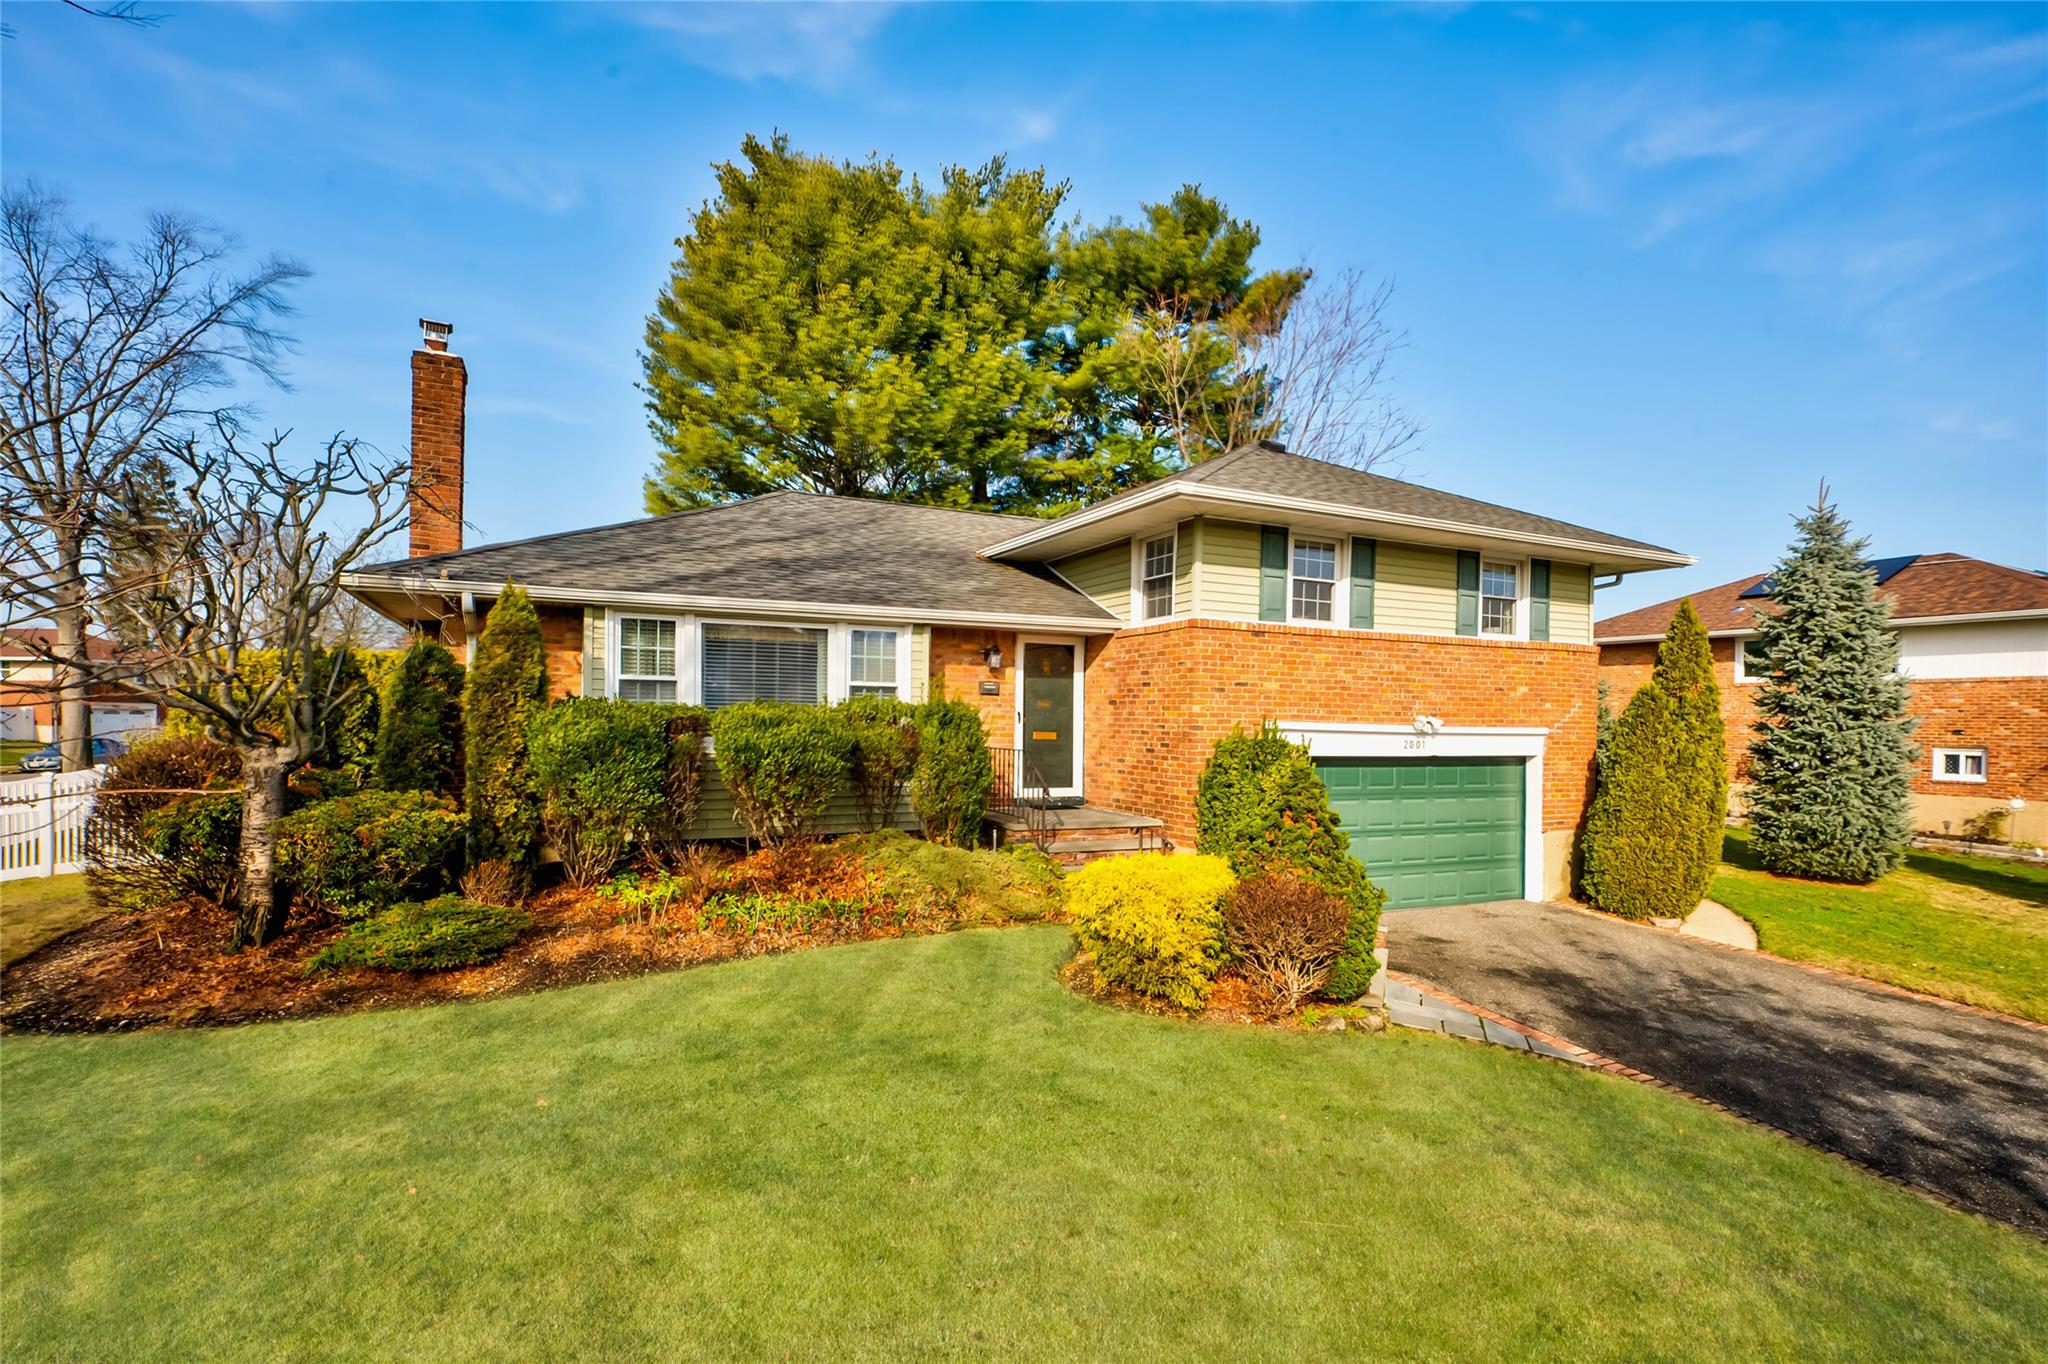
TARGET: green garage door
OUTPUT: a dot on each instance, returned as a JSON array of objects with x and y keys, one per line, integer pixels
[{"x": 1432, "y": 831}]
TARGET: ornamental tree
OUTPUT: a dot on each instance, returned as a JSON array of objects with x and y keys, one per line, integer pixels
[
  {"x": 1653, "y": 835},
  {"x": 1830, "y": 769}
]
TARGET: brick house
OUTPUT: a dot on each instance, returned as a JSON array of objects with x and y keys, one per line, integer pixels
[
  {"x": 1434, "y": 653},
  {"x": 1973, "y": 638},
  {"x": 28, "y": 690}
]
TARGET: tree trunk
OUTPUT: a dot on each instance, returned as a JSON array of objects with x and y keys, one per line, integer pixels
[
  {"x": 72, "y": 710},
  {"x": 264, "y": 900}
]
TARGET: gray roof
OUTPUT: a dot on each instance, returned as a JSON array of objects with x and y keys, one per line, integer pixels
[
  {"x": 1266, "y": 469},
  {"x": 783, "y": 547}
]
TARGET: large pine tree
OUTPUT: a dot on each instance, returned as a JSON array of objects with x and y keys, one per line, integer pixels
[
  {"x": 1653, "y": 835},
  {"x": 1829, "y": 794}
]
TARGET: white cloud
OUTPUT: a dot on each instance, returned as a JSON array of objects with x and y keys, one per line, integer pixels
[{"x": 815, "y": 44}]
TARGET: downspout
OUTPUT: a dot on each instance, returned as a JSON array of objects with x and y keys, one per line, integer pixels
[{"x": 468, "y": 628}]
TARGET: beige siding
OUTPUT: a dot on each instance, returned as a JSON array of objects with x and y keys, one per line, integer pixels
[
  {"x": 920, "y": 662},
  {"x": 715, "y": 819},
  {"x": 1416, "y": 589},
  {"x": 1230, "y": 570},
  {"x": 1571, "y": 603},
  {"x": 1184, "y": 570},
  {"x": 1104, "y": 574}
]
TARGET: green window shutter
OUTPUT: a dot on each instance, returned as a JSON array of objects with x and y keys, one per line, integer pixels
[
  {"x": 1272, "y": 573},
  {"x": 1539, "y": 599},
  {"x": 1364, "y": 554},
  {"x": 593, "y": 651},
  {"x": 1468, "y": 591}
]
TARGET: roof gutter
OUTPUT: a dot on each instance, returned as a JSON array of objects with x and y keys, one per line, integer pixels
[
  {"x": 421, "y": 588},
  {"x": 1110, "y": 510}
]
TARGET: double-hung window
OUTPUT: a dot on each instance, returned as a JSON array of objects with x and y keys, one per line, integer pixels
[
  {"x": 871, "y": 662},
  {"x": 1959, "y": 764},
  {"x": 1500, "y": 588},
  {"x": 647, "y": 658},
  {"x": 763, "y": 663},
  {"x": 1312, "y": 589},
  {"x": 1750, "y": 663},
  {"x": 1155, "y": 578}
]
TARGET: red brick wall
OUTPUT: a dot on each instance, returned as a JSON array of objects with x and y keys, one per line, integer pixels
[
  {"x": 958, "y": 665},
  {"x": 1159, "y": 697},
  {"x": 434, "y": 501},
  {"x": 561, "y": 636},
  {"x": 2007, "y": 717}
]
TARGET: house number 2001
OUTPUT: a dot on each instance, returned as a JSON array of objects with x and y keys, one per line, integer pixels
[{"x": 1415, "y": 743}]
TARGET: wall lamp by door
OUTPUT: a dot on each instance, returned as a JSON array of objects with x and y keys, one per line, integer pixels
[{"x": 993, "y": 656}]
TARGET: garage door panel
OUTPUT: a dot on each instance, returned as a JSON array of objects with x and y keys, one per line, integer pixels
[{"x": 1433, "y": 832}]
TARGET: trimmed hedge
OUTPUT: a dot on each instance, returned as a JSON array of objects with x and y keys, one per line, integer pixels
[
  {"x": 954, "y": 775},
  {"x": 1154, "y": 922},
  {"x": 783, "y": 763},
  {"x": 363, "y": 853},
  {"x": 885, "y": 747},
  {"x": 419, "y": 725},
  {"x": 435, "y": 936},
  {"x": 1261, "y": 807},
  {"x": 600, "y": 770},
  {"x": 506, "y": 687}
]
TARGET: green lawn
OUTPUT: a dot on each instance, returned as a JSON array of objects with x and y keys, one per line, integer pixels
[
  {"x": 1973, "y": 929},
  {"x": 927, "y": 1148},
  {"x": 36, "y": 910},
  {"x": 13, "y": 751}
]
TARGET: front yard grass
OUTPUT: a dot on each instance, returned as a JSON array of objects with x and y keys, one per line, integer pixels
[
  {"x": 1973, "y": 929},
  {"x": 925, "y": 1148},
  {"x": 39, "y": 910}
]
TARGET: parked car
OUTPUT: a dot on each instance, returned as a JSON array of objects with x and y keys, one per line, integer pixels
[{"x": 48, "y": 759}]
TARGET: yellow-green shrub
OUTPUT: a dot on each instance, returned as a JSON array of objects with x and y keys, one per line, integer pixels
[{"x": 1154, "y": 921}]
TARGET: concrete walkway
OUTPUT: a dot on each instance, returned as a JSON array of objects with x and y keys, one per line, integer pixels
[{"x": 1948, "y": 1100}]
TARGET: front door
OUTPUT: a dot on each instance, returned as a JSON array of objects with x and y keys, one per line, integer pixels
[{"x": 1048, "y": 704}]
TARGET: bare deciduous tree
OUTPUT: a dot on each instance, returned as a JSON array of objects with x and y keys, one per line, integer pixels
[
  {"x": 248, "y": 554},
  {"x": 104, "y": 352},
  {"x": 1314, "y": 371}
]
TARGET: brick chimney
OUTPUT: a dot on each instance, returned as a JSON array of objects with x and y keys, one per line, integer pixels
[{"x": 439, "y": 382}]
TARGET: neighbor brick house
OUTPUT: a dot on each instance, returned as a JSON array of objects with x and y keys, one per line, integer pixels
[
  {"x": 1433, "y": 652},
  {"x": 28, "y": 689},
  {"x": 1973, "y": 639}
]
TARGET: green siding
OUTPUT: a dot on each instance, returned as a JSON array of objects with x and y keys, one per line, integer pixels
[
  {"x": 1230, "y": 570},
  {"x": 715, "y": 819},
  {"x": 1571, "y": 603},
  {"x": 1184, "y": 554},
  {"x": 1433, "y": 831},
  {"x": 1415, "y": 589},
  {"x": 593, "y": 651},
  {"x": 1104, "y": 574}
]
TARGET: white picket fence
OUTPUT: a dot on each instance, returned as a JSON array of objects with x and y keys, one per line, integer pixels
[{"x": 42, "y": 823}]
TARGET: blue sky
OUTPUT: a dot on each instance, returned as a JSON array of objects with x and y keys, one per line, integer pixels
[{"x": 1663, "y": 269}]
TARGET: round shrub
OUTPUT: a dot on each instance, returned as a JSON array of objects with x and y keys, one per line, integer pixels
[
  {"x": 954, "y": 774},
  {"x": 884, "y": 732},
  {"x": 1154, "y": 922},
  {"x": 783, "y": 764},
  {"x": 506, "y": 687},
  {"x": 360, "y": 854},
  {"x": 1262, "y": 808},
  {"x": 600, "y": 770},
  {"x": 188, "y": 849},
  {"x": 419, "y": 723},
  {"x": 441, "y": 934},
  {"x": 194, "y": 854},
  {"x": 1286, "y": 933}
]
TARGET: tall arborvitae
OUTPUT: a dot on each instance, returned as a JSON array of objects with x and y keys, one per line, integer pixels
[
  {"x": 419, "y": 727},
  {"x": 507, "y": 687},
  {"x": 1653, "y": 835},
  {"x": 1830, "y": 770}
]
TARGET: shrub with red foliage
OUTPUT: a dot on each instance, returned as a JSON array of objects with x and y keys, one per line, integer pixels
[{"x": 1285, "y": 932}]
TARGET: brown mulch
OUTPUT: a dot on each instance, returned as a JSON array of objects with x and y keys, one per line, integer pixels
[
  {"x": 170, "y": 967},
  {"x": 1232, "y": 999}
]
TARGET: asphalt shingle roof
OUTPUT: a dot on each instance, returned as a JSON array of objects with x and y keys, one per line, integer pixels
[{"x": 783, "y": 547}]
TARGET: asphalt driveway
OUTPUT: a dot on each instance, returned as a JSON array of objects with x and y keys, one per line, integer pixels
[{"x": 1942, "y": 1099}]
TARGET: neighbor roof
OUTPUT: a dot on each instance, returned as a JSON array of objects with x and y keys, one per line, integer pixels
[
  {"x": 786, "y": 552},
  {"x": 1265, "y": 474},
  {"x": 1923, "y": 587}
]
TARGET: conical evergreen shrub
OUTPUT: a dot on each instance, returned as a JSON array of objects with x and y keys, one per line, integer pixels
[
  {"x": 1653, "y": 834},
  {"x": 1830, "y": 770},
  {"x": 419, "y": 726},
  {"x": 507, "y": 687}
]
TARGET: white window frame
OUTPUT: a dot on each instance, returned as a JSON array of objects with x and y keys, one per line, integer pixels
[
  {"x": 1521, "y": 599},
  {"x": 690, "y": 651},
  {"x": 613, "y": 642},
  {"x": 1742, "y": 672},
  {"x": 1340, "y": 585},
  {"x": 1139, "y": 544},
  {"x": 1982, "y": 756}
]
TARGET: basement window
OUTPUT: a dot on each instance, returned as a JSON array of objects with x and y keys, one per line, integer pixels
[{"x": 1959, "y": 764}]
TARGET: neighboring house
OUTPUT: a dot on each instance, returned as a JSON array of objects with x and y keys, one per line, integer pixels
[
  {"x": 1433, "y": 652},
  {"x": 28, "y": 700},
  {"x": 1973, "y": 637}
]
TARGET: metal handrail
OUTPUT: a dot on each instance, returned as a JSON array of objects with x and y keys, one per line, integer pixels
[{"x": 1020, "y": 792}]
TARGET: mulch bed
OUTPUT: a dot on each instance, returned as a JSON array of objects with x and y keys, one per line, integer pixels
[
  {"x": 1232, "y": 1000},
  {"x": 169, "y": 968}
]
